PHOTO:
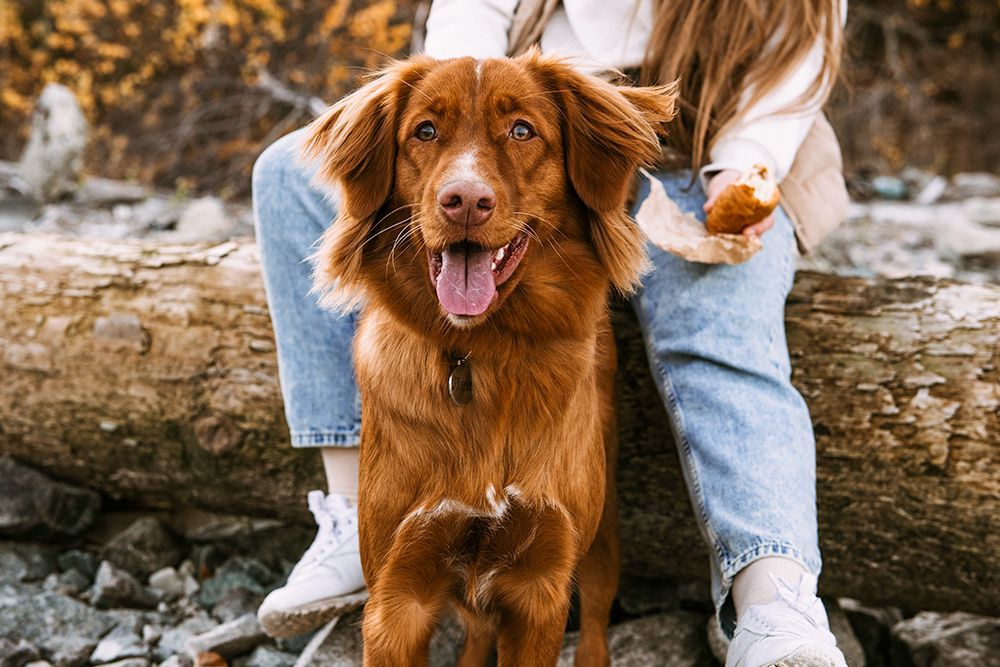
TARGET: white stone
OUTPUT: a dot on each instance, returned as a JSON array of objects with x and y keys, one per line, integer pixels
[{"x": 52, "y": 162}]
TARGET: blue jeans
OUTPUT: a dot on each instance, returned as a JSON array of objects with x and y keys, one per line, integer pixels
[{"x": 714, "y": 335}]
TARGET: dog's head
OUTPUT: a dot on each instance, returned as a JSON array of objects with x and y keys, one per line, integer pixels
[{"x": 472, "y": 188}]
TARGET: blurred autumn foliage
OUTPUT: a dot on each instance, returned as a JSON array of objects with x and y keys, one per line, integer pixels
[{"x": 181, "y": 92}]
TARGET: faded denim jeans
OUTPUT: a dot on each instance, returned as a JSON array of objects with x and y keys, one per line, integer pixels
[{"x": 714, "y": 336}]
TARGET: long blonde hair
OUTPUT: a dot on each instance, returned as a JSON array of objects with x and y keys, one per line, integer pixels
[{"x": 723, "y": 49}]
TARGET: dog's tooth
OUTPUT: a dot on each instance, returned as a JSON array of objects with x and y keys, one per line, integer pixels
[
  {"x": 493, "y": 266},
  {"x": 499, "y": 254}
]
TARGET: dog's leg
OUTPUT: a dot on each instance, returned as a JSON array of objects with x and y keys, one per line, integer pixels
[
  {"x": 598, "y": 571},
  {"x": 397, "y": 629},
  {"x": 598, "y": 579},
  {"x": 532, "y": 593},
  {"x": 479, "y": 640},
  {"x": 533, "y": 637}
]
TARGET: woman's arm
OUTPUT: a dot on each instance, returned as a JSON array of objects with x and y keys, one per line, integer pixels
[
  {"x": 766, "y": 135},
  {"x": 476, "y": 28}
]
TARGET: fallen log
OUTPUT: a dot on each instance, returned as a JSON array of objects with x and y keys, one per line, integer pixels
[{"x": 148, "y": 373}]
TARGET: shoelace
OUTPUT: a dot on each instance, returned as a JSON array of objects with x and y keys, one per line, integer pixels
[
  {"x": 332, "y": 523},
  {"x": 799, "y": 598}
]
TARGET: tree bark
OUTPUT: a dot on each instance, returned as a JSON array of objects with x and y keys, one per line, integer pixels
[{"x": 148, "y": 373}]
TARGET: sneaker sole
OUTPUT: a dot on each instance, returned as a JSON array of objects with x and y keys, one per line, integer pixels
[
  {"x": 809, "y": 657},
  {"x": 276, "y": 623}
]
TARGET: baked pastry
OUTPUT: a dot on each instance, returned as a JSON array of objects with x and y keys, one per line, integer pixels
[{"x": 746, "y": 201}]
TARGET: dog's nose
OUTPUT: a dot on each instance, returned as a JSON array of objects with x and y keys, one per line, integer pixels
[{"x": 468, "y": 203}]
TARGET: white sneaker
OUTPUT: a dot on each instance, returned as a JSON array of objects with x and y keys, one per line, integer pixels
[
  {"x": 792, "y": 631},
  {"x": 327, "y": 581}
]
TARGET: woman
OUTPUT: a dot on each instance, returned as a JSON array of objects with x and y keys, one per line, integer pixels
[{"x": 754, "y": 74}]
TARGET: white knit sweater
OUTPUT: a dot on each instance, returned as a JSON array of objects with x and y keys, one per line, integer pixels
[{"x": 606, "y": 34}]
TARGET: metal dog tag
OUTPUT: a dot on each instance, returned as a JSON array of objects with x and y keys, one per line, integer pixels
[{"x": 460, "y": 383}]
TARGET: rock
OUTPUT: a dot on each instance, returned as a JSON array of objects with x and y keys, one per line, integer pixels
[
  {"x": 235, "y": 603},
  {"x": 65, "y": 630},
  {"x": 68, "y": 583},
  {"x": 198, "y": 525},
  {"x": 173, "y": 639},
  {"x": 872, "y": 626},
  {"x": 34, "y": 506},
  {"x": 932, "y": 639},
  {"x": 267, "y": 656},
  {"x": 143, "y": 547},
  {"x": 177, "y": 661},
  {"x": 52, "y": 162},
  {"x": 229, "y": 639},
  {"x": 120, "y": 643},
  {"x": 983, "y": 210},
  {"x": 97, "y": 191},
  {"x": 82, "y": 561},
  {"x": 890, "y": 187},
  {"x": 18, "y": 654},
  {"x": 24, "y": 562},
  {"x": 239, "y": 572},
  {"x": 848, "y": 643},
  {"x": 645, "y": 596},
  {"x": 203, "y": 220},
  {"x": 676, "y": 639},
  {"x": 117, "y": 588},
  {"x": 974, "y": 184},
  {"x": 169, "y": 581},
  {"x": 128, "y": 662}
]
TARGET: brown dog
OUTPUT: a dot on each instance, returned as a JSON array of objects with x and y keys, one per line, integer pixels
[{"x": 482, "y": 226}]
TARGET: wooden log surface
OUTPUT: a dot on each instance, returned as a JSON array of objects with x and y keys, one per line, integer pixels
[{"x": 148, "y": 373}]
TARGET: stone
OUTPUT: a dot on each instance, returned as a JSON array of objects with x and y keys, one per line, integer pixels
[
  {"x": 229, "y": 639},
  {"x": 890, "y": 187},
  {"x": 873, "y": 627},
  {"x": 71, "y": 582},
  {"x": 65, "y": 630},
  {"x": 983, "y": 210},
  {"x": 114, "y": 587},
  {"x": 173, "y": 639},
  {"x": 932, "y": 639},
  {"x": 177, "y": 661},
  {"x": 267, "y": 656},
  {"x": 239, "y": 572},
  {"x": 120, "y": 643},
  {"x": 203, "y": 220},
  {"x": 169, "y": 581},
  {"x": 128, "y": 662},
  {"x": 676, "y": 639},
  {"x": 34, "y": 506},
  {"x": 20, "y": 561},
  {"x": 974, "y": 184},
  {"x": 143, "y": 547},
  {"x": 646, "y": 596},
  {"x": 75, "y": 559},
  {"x": 52, "y": 162},
  {"x": 847, "y": 641},
  {"x": 236, "y": 602},
  {"x": 17, "y": 654}
]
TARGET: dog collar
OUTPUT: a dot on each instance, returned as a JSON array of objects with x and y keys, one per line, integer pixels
[{"x": 460, "y": 378}]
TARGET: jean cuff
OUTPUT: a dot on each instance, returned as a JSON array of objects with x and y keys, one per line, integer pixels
[{"x": 328, "y": 438}]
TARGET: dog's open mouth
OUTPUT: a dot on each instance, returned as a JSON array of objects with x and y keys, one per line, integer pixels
[{"x": 466, "y": 276}]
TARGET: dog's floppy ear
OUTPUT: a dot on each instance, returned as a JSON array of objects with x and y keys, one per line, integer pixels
[
  {"x": 608, "y": 133},
  {"x": 355, "y": 140},
  {"x": 354, "y": 146}
]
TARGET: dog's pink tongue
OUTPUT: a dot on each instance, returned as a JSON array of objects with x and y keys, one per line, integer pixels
[{"x": 465, "y": 285}]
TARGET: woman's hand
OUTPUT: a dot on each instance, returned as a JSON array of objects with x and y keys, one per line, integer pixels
[{"x": 717, "y": 184}]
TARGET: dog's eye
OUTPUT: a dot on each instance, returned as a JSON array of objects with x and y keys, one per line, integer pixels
[
  {"x": 521, "y": 131},
  {"x": 426, "y": 132}
]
